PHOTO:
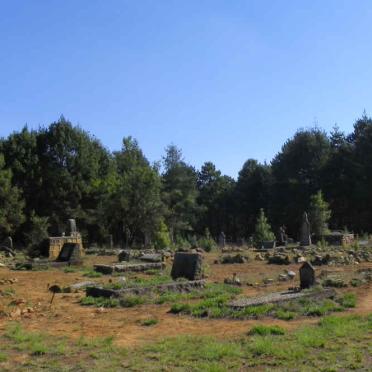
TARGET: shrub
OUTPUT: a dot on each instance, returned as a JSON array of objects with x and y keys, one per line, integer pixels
[
  {"x": 206, "y": 242},
  {"x": 162, "y": 238}
]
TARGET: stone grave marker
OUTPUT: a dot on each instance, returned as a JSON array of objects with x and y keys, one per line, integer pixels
[
  {"x": 307, "y": 275},
  {"x": 187, "y": 265},
  {"x": 305, "y": 237}
]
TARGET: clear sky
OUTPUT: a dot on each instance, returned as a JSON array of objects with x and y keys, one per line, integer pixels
[{"x": 224, "y": 80}]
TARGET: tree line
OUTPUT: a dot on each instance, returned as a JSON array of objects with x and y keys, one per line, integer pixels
[{"x": 61, "y": 171}]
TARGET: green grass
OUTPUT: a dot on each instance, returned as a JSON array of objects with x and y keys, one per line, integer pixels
[
  {"x": 263, "y": 330},
  {"x": 149, "y": 322},
  {"x": 335, "y": 343},
  {"x": 211, "y": 294},
  {"x": 8, "y": 292},
  {"x": 70, "y": 269},
  {"x": 348, "y": 300},
  {"x": 100, "y": 301},
  {"x": 92, "y": 274}
]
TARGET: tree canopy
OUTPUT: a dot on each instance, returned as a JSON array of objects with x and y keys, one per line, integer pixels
[{"x": 61, "y": 171}]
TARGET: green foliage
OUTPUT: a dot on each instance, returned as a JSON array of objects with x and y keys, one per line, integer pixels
[
  {"x": 11, "y": 204},
  {"x": 61, "y": 171},
  {"x": 319, "y": 214},
  {"x": 131, "y": 301},
  {"x": 149, "y": 322},
  {"x": 207, "y": 242},
  {"x": 100, "y": 301},
  {"x": 348, "y": 300},
  {"x": 263, "y": 330},
  {"x": 37, "y": 230},
  {"x": 179, "y": 193},
  {"x": 92, "y": 274},
  {"x": 263, "y": 229},
  {"x": 161, "y": 237}
]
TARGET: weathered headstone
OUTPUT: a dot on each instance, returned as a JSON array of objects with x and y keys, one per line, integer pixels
[
  {"x": 222, "y": 239},
  {"x": 187, "y": 265},
  {"x": 282, "y": 235},
  {"x": 72, "y": 225},
  {"x": 307, "y": 275},
  {"x": 70, "y": 252},
  {"x": 305, "y": 237},
  {"x": 8, "y": 242}
]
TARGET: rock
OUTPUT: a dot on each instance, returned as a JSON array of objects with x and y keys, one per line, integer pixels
[
  {"x": 236, "y": 259},
  {"x": 279, "y": 259},
  {"x": 2, "y": 265},
  {"x": 283, "y": 277},
  {"x": 154, "y": 257},
  {"x": 268, "y": 281},
  {"x": 259, "y": 257},
  {"x": 291, "y": 274},
  {"x": 76, "y": 287},
  {"x": 301, "y": 259}
]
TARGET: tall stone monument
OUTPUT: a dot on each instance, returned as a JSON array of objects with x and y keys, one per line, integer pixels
[
  {"x": 222, "y": 240},
  {"x": 305, "y": 236}
]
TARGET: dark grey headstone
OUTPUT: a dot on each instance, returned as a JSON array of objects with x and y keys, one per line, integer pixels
[
  {"x": 307, "y": 275},
  {"x": 70, "y": 252},
  {"x": 187, "y": 265}
]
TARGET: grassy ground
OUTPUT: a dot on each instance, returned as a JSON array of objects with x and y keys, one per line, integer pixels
[
  {"x": 209, "y": 293},
  {"x": 335, "y": 343}
]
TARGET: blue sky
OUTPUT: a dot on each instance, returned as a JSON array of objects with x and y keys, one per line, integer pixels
[{"x": 223, "y": 80}]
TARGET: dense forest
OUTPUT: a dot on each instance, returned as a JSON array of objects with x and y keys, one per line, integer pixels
[{"x": 60, "y": 171}]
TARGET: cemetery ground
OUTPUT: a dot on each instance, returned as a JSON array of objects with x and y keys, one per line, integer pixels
[{"x": 192, "y": 331}]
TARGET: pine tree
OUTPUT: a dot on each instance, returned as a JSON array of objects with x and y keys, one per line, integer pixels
[
  {"x": 319, "y": 214},
  {"x": 263, "y": 229},
  {"x": 11, "y": 204}
]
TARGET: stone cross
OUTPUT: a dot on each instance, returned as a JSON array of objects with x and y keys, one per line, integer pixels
[{"x": 305, "y": 237}]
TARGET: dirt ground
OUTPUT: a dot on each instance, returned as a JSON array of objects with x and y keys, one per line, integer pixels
[{"x": 31, "y": 304}]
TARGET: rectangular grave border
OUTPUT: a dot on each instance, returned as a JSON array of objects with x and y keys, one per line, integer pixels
[
  {"x": 180, "y": 287},
  {"x": 280, "y": 297},
  {"x": 122, "y": 268}
]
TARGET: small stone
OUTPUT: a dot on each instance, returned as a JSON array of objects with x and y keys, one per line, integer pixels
[{"x": 291, "y": 274}]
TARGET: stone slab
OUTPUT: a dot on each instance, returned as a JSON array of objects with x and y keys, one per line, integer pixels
[
  {"x": 279, "y": 297},
  {"x": 121, "y": 268},
  {"x": 180, "y": 287}
]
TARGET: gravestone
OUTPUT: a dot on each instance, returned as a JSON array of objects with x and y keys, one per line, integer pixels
[
  {"x": 8, "y": 242},
  {"x": 72, "y": 225},
  {"x": 305, "y": 237},
  {"x": 222, "y": 239},
  {"x": 307, "y": 275},
  {"x": 70, "y": 252},
  {"x": 282, "y": 235},
  {"x": 187, "y": 265}
]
